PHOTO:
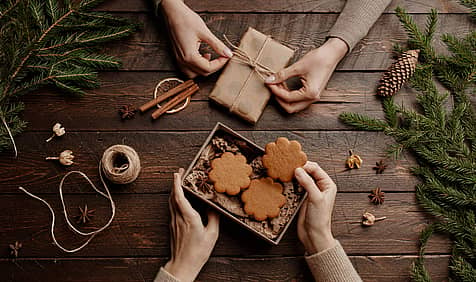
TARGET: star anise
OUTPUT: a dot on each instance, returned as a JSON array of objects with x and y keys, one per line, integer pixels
[
  {"x": 85, "y": 215},
  {"x": 380, "y": 166},
  {"x": 202, "y": 184},
  {"x": 377, "y": 196},
  {"x": 15, "y": 249},
  {"x": 127, "y": 112}
]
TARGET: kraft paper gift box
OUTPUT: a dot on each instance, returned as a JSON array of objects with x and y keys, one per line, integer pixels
[
  {"x": 271, "y": 230},
  {"x": 240, "y": 87}
]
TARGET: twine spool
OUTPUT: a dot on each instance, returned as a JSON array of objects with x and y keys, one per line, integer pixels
[{"x": 120, "y": 164}]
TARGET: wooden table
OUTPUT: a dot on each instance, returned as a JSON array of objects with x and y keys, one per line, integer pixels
[{"x": 137, "y": 243}]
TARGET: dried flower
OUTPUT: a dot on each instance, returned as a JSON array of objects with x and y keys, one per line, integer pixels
[
  {"x": 85, "y": 215},
  {"x": 369, "y": 219},
  {"x": 58, "y": 130},
  {"x": 380, "y": 166},
  {"x": 353, "y": 161},
  {"x": 377, "y": 196},
  {"x": 127, "y": 112},
  {"x": 65, "y": 158},
  {"x": 15, "y": 249}
]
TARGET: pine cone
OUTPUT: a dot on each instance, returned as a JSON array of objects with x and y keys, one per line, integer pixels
[{"x": 398, "y": 73}]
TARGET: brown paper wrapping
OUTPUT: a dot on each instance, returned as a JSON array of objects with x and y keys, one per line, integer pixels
[{"x": 240, "y": 88}]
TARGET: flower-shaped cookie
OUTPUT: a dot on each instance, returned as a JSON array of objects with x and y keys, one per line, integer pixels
[
  {"x": 230, "y": 173},
  {"x": 282, "y": 158},
  {"x": 263, "y": 199}
]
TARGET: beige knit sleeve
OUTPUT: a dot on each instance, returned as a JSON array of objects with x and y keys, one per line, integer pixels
[
  {"x": 332, "y": 265},
  {"x": 357, "y": 17},
  {"x": 164, "y": 276}
]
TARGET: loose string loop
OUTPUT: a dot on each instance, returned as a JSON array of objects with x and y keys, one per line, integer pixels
[
  {"x": 10, "y": 135},
  {"x": 123, "y": 174},
  {"x": 92, "y": 234}
]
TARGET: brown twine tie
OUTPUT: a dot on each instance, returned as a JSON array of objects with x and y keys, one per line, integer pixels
[{"x": 242, "y": 57}]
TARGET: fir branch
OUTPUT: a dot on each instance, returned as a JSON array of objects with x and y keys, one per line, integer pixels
[
  {"x": 60, "y": 38},
  {"x": 419, "y": 272},
  {"x": 417, "y": 39},
  {"x": 363, "y": 122},
  {"x": 463, "y": 269},
  {"x": 390, "y": 110},
  {"x": 471, "y": 4},
  {"x": 442, "y": 136}
]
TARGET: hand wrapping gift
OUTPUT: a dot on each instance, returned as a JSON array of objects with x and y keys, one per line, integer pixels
[{"x": 241, "y": 87}]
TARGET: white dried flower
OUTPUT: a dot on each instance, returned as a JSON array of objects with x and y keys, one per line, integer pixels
[
  {"x": 58, "y": 130},
  {"x": 65, "y": 158}
]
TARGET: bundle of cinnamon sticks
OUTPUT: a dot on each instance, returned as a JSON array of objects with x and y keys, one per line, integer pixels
[{"x": 182, "y": 92}]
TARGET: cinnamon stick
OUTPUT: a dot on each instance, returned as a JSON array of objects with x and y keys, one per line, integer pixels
[
  {"x": 166, "y": 95},
  {"x": 175, "y": 101}
]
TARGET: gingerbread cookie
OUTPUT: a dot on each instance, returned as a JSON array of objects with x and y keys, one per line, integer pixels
[
  {"x": 230, "y": 173},
  {"x": 282, "y": 158},
  {"x": 263, "y": 199}
]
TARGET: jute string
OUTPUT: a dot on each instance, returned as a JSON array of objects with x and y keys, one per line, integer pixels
[
  {"x": 127, "y": 171},
  {"x": 10, "y": 135},
  {"x": 242, "y": 57},
  {"x": 106, "y": 167}
]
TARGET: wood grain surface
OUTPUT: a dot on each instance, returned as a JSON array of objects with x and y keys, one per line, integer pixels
[
  {"x": 137, "y": 243},
  {"x": 149, "y": 48},
  {"x": 283, "y": 6}
]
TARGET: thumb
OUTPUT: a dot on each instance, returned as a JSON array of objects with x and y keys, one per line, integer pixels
[
  {"x": 283, "y": 75},
  {"x": 308, "y": 183},
  {"x": 217, "y": 45},
  {"x": 213, "y": 222}
]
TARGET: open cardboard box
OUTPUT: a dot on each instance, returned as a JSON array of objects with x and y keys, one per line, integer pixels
[{"x": 223, "y": 138}]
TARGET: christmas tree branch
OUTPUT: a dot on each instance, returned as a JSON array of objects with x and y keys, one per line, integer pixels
[
  {"x": 59, "y": 39},
  {"x": 442, "y": 136},
  {"x": 23, "y": 61}
]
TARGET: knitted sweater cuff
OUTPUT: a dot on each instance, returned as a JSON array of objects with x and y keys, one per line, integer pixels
[
  {"x": 164, "y": 276},
  {"x": 357, "y": 17},
  {"x": 332, "y": 265}
]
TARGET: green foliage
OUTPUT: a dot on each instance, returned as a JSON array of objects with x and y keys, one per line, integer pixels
[
  {"x": 441, "y": 133},
  {"x": 471, "y": 4},
  {"x": 51, "y": 42}
]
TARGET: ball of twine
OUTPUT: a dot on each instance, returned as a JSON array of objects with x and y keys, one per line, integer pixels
[{"x": 120, "y": 164}]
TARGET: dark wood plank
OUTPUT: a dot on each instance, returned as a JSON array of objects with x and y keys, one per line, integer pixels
[
  {"x": 282, "y": 6},
  {"x": 163, "y": 153},
  {"x": 346, "y": 91},
  {"x": 141, "y": 228},
  {"x": 371, "y": 268},
  {"x": 148, "y": 49}
]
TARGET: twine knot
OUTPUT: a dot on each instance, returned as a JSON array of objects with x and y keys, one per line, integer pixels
[{"x": 242, "y": 57}]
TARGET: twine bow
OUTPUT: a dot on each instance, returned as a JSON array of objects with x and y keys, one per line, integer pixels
[{"x": 242, "y": 57}]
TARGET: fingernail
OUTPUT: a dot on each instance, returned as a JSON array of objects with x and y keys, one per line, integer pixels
[
  {"x": 270, "y": 79},
  {"x": 228, "y": 53},
  {"x": 299, "y": 171}
]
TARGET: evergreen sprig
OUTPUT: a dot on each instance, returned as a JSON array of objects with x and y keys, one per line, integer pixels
[
  {"x": 441, "y": 133},
  {"x": 51, "y": 42}
]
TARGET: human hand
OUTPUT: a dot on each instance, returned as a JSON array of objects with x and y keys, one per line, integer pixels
[
  {"x": 191, "y": 241},
  {"x": 187, "y": 30},
  {"x": 314, "y": 70},
  {"x": 314, "y": 222}
]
